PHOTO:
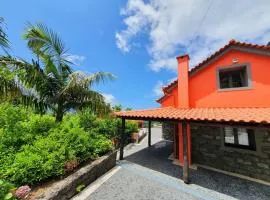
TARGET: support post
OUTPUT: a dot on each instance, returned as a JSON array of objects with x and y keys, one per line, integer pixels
[
  {"x": 149, "y": 134},
  {"x": 122, "y": 140},
  {"x": 185, "y": 151}
]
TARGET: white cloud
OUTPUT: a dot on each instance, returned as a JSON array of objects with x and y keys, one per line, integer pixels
[
  {"x": 171, "y": 25},
  {"x": 157, "y": 90},
  {"x": 75, "y": 59},
  {"x": 109, "y": 98}
]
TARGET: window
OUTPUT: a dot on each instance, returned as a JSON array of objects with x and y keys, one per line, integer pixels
[
  {"x": 239, "y": 137},
  {"x": 234, "y": 77}
]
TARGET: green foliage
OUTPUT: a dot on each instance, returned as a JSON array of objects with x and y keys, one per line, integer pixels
[
  {"x": 5, "y": 190},
  {"x": 4, "y": 42},
  {"x": 131, "y": 126},
  {"x": 87, "y": 119},
  {"x": 49, "y": 83},
  {"x": 20, "y": 126},
  {"x": 100, "y": 144},
  {"x": 79, "y": 188},
  {"x": 109, "y": 127},
  {"x": 34, "y": 148}
]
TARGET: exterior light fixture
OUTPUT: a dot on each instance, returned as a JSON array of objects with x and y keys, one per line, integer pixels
[{"x": 234, "y": 60}]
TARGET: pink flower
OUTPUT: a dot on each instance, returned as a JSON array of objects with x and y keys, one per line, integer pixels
[{"x": 22, "y": 192}]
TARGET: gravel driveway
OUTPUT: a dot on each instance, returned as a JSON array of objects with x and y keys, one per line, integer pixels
[{"x": 147, "y": 173}]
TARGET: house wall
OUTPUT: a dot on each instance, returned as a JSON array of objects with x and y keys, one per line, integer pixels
[
  {"x": 171, "y": 99},
  {"x": 204, "y": 92},
  {"x": 168, "y": 129},
  {"x": 208, "y": 149}
]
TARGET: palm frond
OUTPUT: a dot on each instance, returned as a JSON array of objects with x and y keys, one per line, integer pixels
[
  {"x": 34, "y": 102},
  {"x": 4, "y": 42},
  {"x": 31, "y": 76},
  {"x": 45, "y": 42},
  {"x": 80, "y": 79},
  {"x": 87, "y": 98},
  {"x": 42, "y": 39}
]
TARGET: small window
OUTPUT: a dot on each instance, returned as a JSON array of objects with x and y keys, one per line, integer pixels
[
  {"x": 235, "y": 77},
  {"x": 240, "y": 138}
]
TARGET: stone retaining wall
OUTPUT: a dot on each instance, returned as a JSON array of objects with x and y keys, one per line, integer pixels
[
  {"x": 207, "y": 149},
  {"x": 66, "y": 188}
]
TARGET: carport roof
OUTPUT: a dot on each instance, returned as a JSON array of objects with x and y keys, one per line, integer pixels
[{"x": 236, "y": 115}]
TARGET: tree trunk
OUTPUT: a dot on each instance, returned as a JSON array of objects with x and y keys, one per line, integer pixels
[
  {"x": 59, "y": 116},
  {"x": 59, "y": 113}
]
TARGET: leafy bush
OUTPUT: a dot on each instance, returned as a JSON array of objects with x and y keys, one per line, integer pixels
[
  {"x": 47, "y": 155},
  {"x": 20, "y": 126},
  {"x": 87, "y": 119},
  {"x": 37, "y": 162},
  {"x": 34, "y": 148},
  {"x": 5, "y": 190},
  {"x": 131, "y": 126},
  {"x": 109, "y": 127},
  {"x": 100, "y": 145}
]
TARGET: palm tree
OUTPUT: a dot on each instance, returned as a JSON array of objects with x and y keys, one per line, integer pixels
[
  {"x": 4, "y": 43},
  {"x": 48, "y": 82},
  {"x": 7, "y": 87}
]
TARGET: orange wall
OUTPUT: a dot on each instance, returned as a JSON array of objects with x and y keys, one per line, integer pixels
[
  {"x": 203, "y": 90},
  {"x": 172, "y": 99}
]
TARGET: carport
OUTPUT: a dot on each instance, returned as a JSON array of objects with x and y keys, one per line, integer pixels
[{"x": 235, "y": 117}]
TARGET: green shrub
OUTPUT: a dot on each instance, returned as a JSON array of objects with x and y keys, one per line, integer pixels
[
  {"x": 109, "y": 127},
  {"x": 100, "y": 145},
  {"x": 37, "y": 162},
  {"x": 87, "y": 119},
  {"x": 20, "y": 126},
  {"x": 38, "y": 125},
  {"x": 47, "y": 156},
  {"x": 131, "y": 126},
  {"x": 10, "y": 115},
  {"x": 5, "y": 190},
  {"x": 34, "y": 148}
]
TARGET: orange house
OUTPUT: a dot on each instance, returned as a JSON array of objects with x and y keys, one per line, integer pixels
[{"x": 219, "y": 111}]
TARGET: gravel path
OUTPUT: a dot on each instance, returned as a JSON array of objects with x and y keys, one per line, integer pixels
[{"x": 147, "y": 173}]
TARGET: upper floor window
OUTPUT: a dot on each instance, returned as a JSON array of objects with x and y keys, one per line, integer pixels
[
  {"x": 240, "y": 138},
  {"x": 233, "y": 77}
]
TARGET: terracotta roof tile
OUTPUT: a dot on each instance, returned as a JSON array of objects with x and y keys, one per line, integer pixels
[
  {"x": 218, "y": 52},
  {"x": 245, "y": 115}
]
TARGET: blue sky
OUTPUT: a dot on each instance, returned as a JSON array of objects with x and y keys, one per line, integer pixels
[
  {"x": 138, "y": 40},
  {"x": 88, "y": 29}
]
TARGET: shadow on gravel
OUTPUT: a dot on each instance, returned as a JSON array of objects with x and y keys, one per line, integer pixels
[{"x": 156, "y": 158}]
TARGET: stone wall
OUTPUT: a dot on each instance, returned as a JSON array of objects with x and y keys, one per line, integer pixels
[
  {"x": 66, "y": 188},
  {"x": 208, "y": 149},
  {"x": 168, "y": 129}
]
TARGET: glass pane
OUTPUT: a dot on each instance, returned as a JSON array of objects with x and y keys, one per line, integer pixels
[
  {"x": 229, "y": 136},
  {"x": 239, "y": 77},
  {"x": 224, "y": 80},
  {"x": 242, "y": 136},
  {"x": 233, "y": 78}
]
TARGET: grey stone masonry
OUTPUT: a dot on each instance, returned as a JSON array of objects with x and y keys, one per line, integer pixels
[
  {"x": 66, "y": 188},
  {"x": 168, "y": 129},
  {"x": 208, "y": 149}
]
